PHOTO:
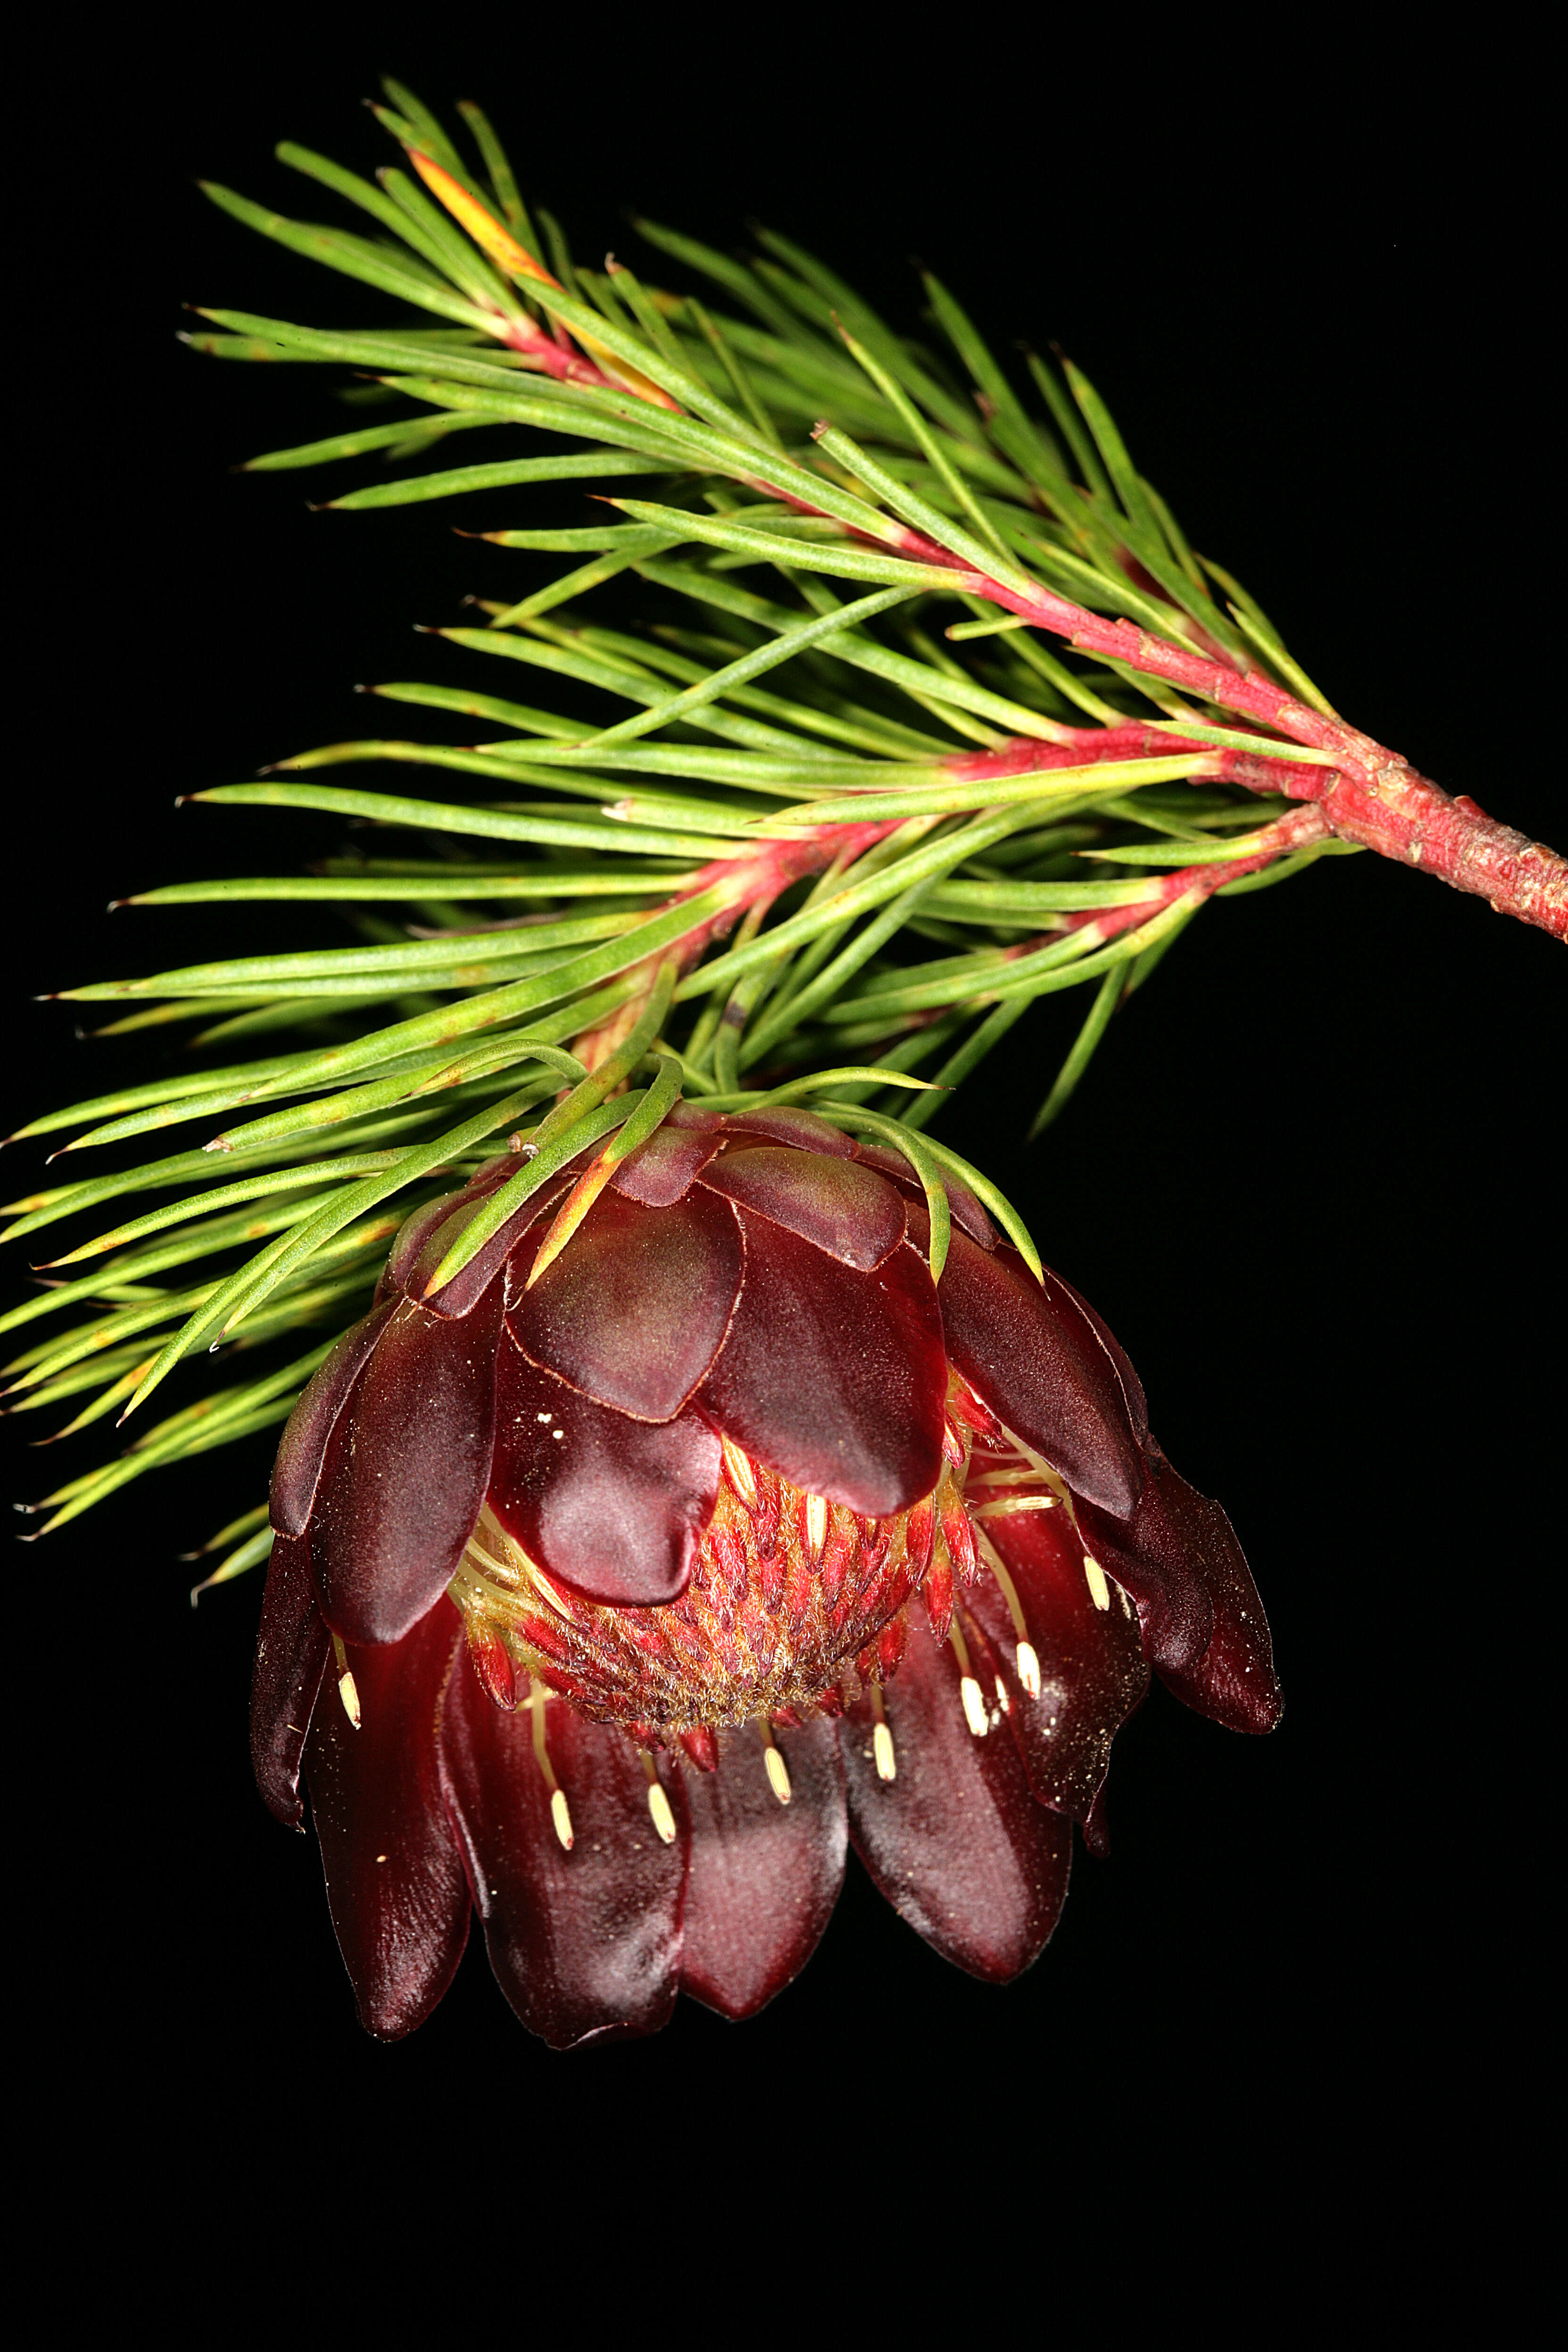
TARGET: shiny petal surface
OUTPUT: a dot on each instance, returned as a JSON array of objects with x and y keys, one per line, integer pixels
[
  {"x": 291, "y": 1656},
  {"x": 956, "y": 1842},
  {"x": 847, "y": 1211},
  {"x": 764, "y": 1877},
  {"x": 409, "y": 1240},
  {"x": 614, "y": 1508},
  {"x": 802, "y": 1129},
  {"x": 296, "y": 1472},
  {"x": 417, "y": 1230},
  {"x": 835, "y": 1378},
  {"x": 660, "y": 1172},
  {"x": 405, "y": 1471},
  {"x": 396, "y": 1883},
  {"x": 1093, "y": 1673},
  {"x": 1131, "y": 1386},
  {"x": 635, "y": 1307},
  {"x": 1032, "y": 1356},
  {"x": 585, "y": 1943},
  {"x": 966, "y": 1210},
  {"x": 1203, "y": 1622},
  {"x": 462, "y": 1294}
]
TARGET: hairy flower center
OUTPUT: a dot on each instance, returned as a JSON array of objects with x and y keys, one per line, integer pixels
[
  {"x": 794, "y": 1603},
  {"x": 787, "y": 1597}
]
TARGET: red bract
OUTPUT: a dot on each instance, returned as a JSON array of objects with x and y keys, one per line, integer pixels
[{"x": 618, "y": 1570}]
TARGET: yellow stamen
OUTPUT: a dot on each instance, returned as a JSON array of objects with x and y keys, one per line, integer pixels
[
  {"x": 347, "y": 1689},
  {"x": 1028, "y": 1658},
  {"x": 777, "y": 1769},
  {"x": 968, "y": 1688},
  {"x": 882, "y": 1738},
  {"x": 740, "y": 1469},
  {"x": 1094, "y": 1576},
  {"x": 559, "y": 1812},
  {"x": 658, "y": 1802},
  {"x": 816, "y": 1524}
]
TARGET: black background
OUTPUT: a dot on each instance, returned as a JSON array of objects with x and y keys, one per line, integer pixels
[{"x": 1312, "y": 1181}]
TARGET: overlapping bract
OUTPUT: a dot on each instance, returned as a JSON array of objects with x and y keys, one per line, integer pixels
[{"x": 752, "y": 1289}]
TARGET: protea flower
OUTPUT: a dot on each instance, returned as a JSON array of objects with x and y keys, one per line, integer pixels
[
  {"x": 673, "y": 1508},
  {"x": 654, "y": 1564}
]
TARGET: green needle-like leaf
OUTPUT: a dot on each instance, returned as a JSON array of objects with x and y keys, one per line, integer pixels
[{"x": 791, "y": 827}]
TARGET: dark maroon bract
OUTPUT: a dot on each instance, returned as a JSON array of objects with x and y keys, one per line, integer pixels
[{"x": 614, "y": 1573}]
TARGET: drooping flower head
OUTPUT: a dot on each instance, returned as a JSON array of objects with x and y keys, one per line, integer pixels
[{"x": 647, "y": 1583}]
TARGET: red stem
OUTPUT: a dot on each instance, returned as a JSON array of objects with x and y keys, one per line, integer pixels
[
  {"x": 1299, "y": 830},
  {"x": 1370, "y": 796},
  {"x": 759, "y": 875},
  {"x": 553, "y": 356}
]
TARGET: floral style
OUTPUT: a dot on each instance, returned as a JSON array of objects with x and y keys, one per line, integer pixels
[{"x": 648, "y": 1585}]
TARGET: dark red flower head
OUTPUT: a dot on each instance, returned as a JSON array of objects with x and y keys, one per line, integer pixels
[{"x": 617, "y": 1569}]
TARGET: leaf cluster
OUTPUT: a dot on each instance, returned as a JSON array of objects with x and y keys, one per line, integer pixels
[{"x": 836, "y": 820}]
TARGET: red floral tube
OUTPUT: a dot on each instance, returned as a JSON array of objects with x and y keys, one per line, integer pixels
[{"x": 592, "y": 1601}]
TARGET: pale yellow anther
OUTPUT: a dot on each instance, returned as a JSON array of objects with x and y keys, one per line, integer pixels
[
  {"x": 1029, "y": 1669},
  {"x": 974, "y": 1705},
  {"x": 740, "y": 1470},
  {"x": 658, "y": 1806},
  {"x": 883, "y": 1749},
  {"x": 1094, "y": 1576},
  {"x": 1002, "y": 1701},
  {"x": 816, "y": 1523},
  {"x": 559, "y": 1812},
  {"x": 778, "y": 1773},
  {"x": 347, "y": 1689},
  {"x": 1010, "y": 1506}
]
